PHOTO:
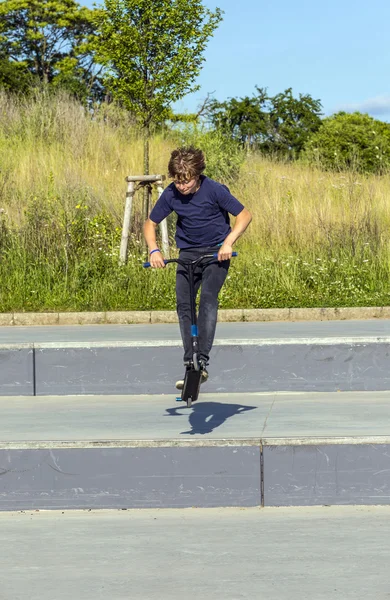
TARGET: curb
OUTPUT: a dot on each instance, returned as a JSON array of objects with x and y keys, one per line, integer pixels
[{"x": 165, "y": 316}]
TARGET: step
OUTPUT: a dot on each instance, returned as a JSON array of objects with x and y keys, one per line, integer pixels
[
  {"x": 258, "y": 449},
  {"x": 147, "y": 359}
]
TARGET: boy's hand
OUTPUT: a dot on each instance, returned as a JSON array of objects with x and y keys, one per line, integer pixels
[
  {"x": 225, "y": 252},
  {"x": 157, "y": 260}
]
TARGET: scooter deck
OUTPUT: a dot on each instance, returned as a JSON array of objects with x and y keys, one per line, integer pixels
[{"x": 191, "y": 386}]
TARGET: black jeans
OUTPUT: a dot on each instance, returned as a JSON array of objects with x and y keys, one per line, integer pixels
[{"x": 211, "y": 276}]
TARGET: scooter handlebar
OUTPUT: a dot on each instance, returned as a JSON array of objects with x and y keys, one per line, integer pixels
[{"x": 215, "y": 255}]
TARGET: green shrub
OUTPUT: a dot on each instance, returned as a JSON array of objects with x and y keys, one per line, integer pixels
[
  {"x": 224, "y": 156},
  {"x": 350, "y": 141}
]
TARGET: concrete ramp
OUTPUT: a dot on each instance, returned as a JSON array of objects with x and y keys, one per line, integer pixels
[
  {"x": 227, "y": 450},
  {"x": 294, "y": 414},
  {"x": 246, "y": 357}
]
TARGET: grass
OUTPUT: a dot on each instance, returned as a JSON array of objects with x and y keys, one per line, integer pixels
[{"x": 317, "y": 238}]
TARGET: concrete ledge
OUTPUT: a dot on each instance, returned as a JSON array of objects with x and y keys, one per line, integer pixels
[
  {"x": 152, "y": 367},
  {"x": 128, "y": 317},
  {"x": 265, "y": 314},
  {"x": 163, "y": 316},
  {"x": 97, "y": 369},
  {"x": 82, "y": 318},
  {"x": 49, "y": 475},
  {"x": 17, "y": 376},
  {"x": 124, "y": 477},
  {"x": 326, "y": 474},
  {"x": 169, "y": 316},
  {"x": 231, "y": 315},
  {"x": 227, "y": 450},
  {"x": 6, "y": 319},
  {"x": 28, "y": 319}
]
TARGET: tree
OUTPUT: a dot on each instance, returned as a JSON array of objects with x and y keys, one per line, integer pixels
[
  {"x": 292, "y": 122},
  {"x": 14, "y": 77},
  {"x": 351, "y": 141},
  {"x": 153, "y": 52},
  {"x": 245, "y": 118},
  {"x": 49, "y": 39},
  {"x": 278, "y": 125}
]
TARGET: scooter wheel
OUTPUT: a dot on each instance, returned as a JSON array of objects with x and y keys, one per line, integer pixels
[{"x": 189, "y": 402}]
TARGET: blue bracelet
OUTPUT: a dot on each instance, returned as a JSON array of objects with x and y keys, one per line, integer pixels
[{"x": 156, "y": 250}]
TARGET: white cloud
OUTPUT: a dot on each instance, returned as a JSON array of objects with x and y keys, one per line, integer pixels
[{"x": 379, "y": 105}]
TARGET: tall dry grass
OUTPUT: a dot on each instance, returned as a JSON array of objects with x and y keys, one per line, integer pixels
[
  {"x": 53, "y": 146},
  {"x": 317, "y": 238}
]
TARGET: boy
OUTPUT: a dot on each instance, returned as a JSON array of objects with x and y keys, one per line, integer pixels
[{"x": 203, "y": 226}]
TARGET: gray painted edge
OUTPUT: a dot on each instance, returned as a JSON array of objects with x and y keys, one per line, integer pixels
[
  {"x": 17, "y": 346},
  {"x": 321, "y": 441},
  {"x": 315, "y": 341},
  {"x": 196, "y": 443},
  {"x": 168, "y": 443}
]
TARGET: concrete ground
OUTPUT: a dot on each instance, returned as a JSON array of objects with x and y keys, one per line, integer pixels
[
  {"x": 161, "y": 332},
  {"x": 217, "y": 416},
  {"x": 336, "y": 553}
]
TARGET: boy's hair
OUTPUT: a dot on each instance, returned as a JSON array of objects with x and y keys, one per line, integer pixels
[{"x": 186, "y": 163}]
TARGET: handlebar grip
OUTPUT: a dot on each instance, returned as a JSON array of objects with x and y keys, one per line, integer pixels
[
  {"x": 215, "y": 255},
  {"x": 147, "y": 264}
]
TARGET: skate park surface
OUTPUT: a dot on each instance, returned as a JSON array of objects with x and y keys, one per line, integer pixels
[
  {"x": 334, "y": 553},
  {"x": 146, "y": 359},
  {"x": 275, "y": 483},
  {"x": 293, "y": 414}
]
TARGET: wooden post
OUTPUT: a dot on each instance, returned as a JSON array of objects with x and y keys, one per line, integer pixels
[
  {"x": 163, "y": 226},
  {"x": 148, "y": 200},
  {"x": 126, "y": 222},
  {"x": 145, "y": 181}
]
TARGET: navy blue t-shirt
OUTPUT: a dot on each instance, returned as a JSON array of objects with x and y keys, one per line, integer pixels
[{"x": 203, "y": 217}]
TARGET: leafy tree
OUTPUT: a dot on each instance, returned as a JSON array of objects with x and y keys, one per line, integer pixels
[
  {"x": 14, "y": 77},
  {"x": 292, "y": 122},
  {"x": 153, "y": 52},
  {"x": 49, "y": 39},
  {"x": 245, "y": 118},
  {"x": 278, "y": 125},
  {"x": 351, "y": 141}
]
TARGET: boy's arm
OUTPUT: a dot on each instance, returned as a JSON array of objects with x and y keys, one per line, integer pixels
[
  {"x": 242, "y": 221},
  {"x": 156, "y": 259}
]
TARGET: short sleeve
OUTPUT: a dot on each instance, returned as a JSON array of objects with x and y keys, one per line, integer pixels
[
  {"x": 161, "y": 209},
  {"x": 228, "y": 202}
]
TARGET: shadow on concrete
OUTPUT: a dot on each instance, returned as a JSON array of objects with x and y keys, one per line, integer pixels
[{"x": 207, "y": 416}]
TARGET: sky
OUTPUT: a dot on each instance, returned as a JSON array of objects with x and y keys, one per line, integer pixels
[{"x": 337, "y": 51}]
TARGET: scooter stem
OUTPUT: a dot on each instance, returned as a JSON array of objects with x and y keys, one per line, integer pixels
[{"x": 194, "y": 324}]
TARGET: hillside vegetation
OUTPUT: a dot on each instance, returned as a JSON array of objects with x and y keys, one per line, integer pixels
[{"x": 318, "y": 238}]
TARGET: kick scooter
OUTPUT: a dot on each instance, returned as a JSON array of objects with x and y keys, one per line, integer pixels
[{"x": 193, "y": 375}]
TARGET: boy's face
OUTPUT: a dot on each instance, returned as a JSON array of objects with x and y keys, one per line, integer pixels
[{"x": 188, "y": 186}]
